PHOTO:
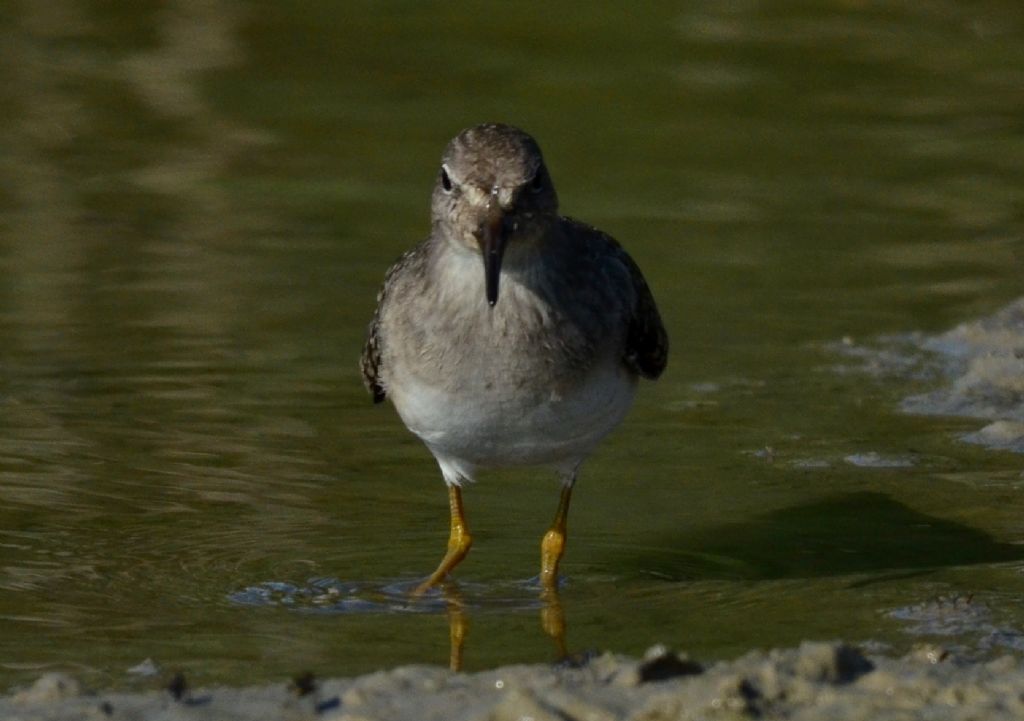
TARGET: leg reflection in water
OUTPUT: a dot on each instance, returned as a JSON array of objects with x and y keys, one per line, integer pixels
[
  {"x": 458, "y": 624},
  {"x": 552, "y": 621}
]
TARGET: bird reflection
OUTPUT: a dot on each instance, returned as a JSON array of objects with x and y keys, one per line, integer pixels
[{"x": 552, "y": 621}]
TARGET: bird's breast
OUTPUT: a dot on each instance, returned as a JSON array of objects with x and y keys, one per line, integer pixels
[
  {"x": 489, "y": 423},
  {"x": 524, "y": 382}
]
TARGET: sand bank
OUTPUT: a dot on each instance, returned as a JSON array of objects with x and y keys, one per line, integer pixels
[{"x": 815, "y": 681}]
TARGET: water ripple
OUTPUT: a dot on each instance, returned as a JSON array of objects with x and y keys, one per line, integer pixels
[{"x": 335, "y": 596}]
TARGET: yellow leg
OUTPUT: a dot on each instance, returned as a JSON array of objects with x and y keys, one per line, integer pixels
[
  {"x": 459, "y": 542},
  {"x": 552, "y": 547}
]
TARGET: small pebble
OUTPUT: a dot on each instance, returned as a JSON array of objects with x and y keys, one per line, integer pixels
[{"x": 50, "y": 687}]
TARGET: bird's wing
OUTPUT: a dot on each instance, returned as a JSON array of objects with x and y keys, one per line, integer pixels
[
  {"x": 646, "y": 339},
  {"x": 370, "y": 363},
  {"x": 646, "y": 351}
]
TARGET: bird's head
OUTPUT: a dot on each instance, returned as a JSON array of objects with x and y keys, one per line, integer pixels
[{"x": 493, "y": 192}]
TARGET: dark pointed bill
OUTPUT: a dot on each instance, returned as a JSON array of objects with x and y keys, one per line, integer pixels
[{"x": 492, "y": 245}]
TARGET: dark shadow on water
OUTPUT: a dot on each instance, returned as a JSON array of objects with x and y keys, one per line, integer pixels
[{"x": 856, "y": 533}]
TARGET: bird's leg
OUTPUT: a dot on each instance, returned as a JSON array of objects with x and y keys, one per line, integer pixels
[
  {"x": 552, "y": 546},
  {"x": 459, "y": 542}
]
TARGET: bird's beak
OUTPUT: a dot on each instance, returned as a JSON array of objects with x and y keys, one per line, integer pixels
[{"x": 492, "y": 245}]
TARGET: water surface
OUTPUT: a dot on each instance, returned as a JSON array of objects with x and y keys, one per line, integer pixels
[{"x": 198, "y": 202}]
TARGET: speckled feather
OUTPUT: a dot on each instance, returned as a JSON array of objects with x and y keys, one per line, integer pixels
[
  {"x": 546, "y": 372},
  {"x": 646, "y": 343},
  {"x": 369, "y": 363}
]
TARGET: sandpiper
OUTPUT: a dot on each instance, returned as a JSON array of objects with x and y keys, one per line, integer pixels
[{"x": 512, "y": 336}]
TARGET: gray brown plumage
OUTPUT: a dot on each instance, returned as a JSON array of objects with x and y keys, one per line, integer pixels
[{"x": 511, "y": 335}]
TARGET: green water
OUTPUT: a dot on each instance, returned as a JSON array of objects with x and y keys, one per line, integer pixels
[{"x": 198, "y": 201}]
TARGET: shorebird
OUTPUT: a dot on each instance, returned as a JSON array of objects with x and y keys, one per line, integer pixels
[{"x": 512, "y": 336}]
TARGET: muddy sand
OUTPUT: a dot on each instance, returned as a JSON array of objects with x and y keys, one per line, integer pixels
[
  {"x": 977, "y": 369},
  {"x": 815, "y": 681}
]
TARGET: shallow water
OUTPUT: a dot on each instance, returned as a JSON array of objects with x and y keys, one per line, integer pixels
[{"x": 198, "y": 202}]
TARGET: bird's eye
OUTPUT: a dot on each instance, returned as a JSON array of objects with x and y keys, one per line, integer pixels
[
  {"x": 537, "y": 184},
  {"x": 446, "y": 182}
]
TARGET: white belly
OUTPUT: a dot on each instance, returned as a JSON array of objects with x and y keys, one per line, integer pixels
[{"x": 507, "y": 427}]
